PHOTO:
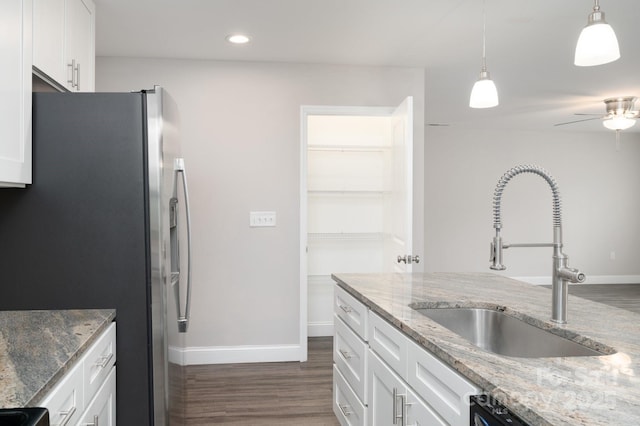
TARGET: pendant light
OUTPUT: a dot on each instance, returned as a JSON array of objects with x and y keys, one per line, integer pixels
[
  {"x": 597, "y": 43},
  {"x": 484, "y": 93}
]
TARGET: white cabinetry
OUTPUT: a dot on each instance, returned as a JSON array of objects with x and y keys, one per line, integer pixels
[
  {"x": 393, "y": 402},
  {"x": 64, "y": 42},
  {"x": 86, "y": 394},
  {"x": 350, "y": 359},
  {"x": 383, "y": 377},
  {"x": 15, "y": 86}
]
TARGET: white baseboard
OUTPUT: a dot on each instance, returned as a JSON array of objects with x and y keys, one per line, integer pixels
[
  {"x": 320, "y": 329},
  {"x": 595, "y": 279},
  {"x": 233, "y": 354}
]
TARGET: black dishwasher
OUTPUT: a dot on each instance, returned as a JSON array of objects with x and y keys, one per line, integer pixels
[{"x": 486, "y": 411}]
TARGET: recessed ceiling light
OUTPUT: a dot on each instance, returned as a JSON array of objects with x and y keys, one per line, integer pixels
[{"x": 238, "y": 39}]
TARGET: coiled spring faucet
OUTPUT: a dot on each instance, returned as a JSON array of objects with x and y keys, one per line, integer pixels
[{"x": 561, "y": 274}]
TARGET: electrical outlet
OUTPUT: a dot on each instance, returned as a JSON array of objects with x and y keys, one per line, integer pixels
[{"x": 262, "y": 219}]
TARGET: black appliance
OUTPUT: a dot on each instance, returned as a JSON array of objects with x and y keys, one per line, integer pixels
[{"x": 486, "y": 411}]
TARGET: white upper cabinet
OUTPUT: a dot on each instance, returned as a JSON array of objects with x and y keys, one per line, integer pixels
[
  {"x": 15, "y": 86},
  {"x": 64, "y": 42},
  {"x": 48, "y": 38}
]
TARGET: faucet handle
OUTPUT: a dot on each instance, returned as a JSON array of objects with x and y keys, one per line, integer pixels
[{"x": 572, "y": 274}]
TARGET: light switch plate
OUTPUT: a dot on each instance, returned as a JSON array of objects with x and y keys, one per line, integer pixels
[{"x": 262, "y": 219}]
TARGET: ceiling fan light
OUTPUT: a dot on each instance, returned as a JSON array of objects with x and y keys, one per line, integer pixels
[
  {"x": 597, "y": 43},
  {"x": 484, "y": 93},
  {"x": 619, "y": 123}
]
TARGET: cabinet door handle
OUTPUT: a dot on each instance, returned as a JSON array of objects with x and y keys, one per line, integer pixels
[
  {"x": 346, "y": 308},
  {"x": 72, "y": 68},
  {"x": 95, "y": 422},
  {"x": 345, "y": 354},
  {"x": 66, "y": 416},
  {"x": 397, "y": 416},
  {"x": 104, "y": 361},
  {"x": 344, "y": 409},
  {"x": 78, "y": 80}
]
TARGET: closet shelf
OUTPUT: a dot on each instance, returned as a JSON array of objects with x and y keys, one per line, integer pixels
[
  {"x": 349, "y": 148},
  {"x": 348, "y": 192},
  {"x": 343, "y": 236}
]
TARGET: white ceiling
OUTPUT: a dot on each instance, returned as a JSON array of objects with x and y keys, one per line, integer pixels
[{"x": 530, "y": 46}]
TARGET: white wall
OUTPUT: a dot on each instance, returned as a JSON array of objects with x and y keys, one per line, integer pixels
[
  {"x": 599, "y": 188},
  {"x": 241, "y": 135}
]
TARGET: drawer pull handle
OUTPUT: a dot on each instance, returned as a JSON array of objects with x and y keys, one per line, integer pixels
[
  {"x": 345, "y": 410},
  {"x": 104, "y": 361},
  {"x": 346, "y": 308},
  {"x": 345, "y": 354},
  {"x": 66, "y": 416}
]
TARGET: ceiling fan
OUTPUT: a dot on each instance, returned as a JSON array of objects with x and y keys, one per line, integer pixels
[{"x": 620, "y": 114}]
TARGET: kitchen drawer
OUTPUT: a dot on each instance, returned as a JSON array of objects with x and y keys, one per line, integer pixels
[
  {"x": 102, "y": 409},
  {"x": 446, "y": 391},
  {"x": 389, "y": 343},
  {"x": 350, "y": 355},
  {"x": 346, "y": 405},
  {"x": 352, "y": 312},
  {"x": 66, "y": 401},
  {"x": 99, "y": 360}
]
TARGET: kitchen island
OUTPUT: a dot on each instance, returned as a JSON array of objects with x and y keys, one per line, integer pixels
[
  {"x": 594, "y": 390},
  {"x": 37, "y": 348}
]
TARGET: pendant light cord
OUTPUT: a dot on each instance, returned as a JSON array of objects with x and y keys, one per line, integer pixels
[{"x": 484, "y": 37}]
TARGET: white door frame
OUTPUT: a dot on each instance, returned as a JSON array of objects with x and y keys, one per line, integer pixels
[{"x": 306, "y": 111}]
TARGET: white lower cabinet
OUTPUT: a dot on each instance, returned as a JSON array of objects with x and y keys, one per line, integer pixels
[
  {"x": 102, "y": 410},
  {"x": 347, "y": 407},
  {"x": 86, "y": 395},
  {"x": 392, "y": 401},
  {"x": 382, "y": 377}
]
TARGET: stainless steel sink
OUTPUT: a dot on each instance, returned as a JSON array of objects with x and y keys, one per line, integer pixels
[{"x": 497, "y": 332}]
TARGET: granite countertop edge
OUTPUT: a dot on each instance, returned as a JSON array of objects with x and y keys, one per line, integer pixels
[{"x": 39, "y": 347}]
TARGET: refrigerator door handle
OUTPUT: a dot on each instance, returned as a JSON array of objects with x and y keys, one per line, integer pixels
[{"x": 183, "y": 316}]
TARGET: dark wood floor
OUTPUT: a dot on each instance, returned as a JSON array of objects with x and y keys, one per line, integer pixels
[
  {"x": 289, "y": 393},
  {"x": 296, "y": 393}
]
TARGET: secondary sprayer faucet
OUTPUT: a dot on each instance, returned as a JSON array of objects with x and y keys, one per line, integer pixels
[{"x": 561, "y": 274}]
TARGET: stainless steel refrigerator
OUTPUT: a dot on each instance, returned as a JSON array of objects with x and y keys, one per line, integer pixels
[{"x": 105, "y": 225}]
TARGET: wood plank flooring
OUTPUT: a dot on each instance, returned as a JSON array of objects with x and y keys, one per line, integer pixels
[
  {"x": 289, "y": 393},
  {"x": 625, "y": 296}
]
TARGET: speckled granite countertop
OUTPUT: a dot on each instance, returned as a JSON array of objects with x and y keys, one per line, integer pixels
[
  {"x": 38, "y": 347},
  {"x": 602, "y": 390}
]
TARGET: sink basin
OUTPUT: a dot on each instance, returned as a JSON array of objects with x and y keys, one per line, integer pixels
[{"x": 497, "y": 332}]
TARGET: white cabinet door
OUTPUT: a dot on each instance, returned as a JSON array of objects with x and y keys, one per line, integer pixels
[
  {"x": 419, "y": 413},
  {"x": 15, "y": 86},
  {"x": 386, "y": 394},
  {"x": 80, "y": 45},
  {"x": 102, "y": 409},
  {"x": 48, "y": 38}
]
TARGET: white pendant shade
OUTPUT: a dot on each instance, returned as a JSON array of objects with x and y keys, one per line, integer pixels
[
  {"x": 597, "y": 43},
  {"x": 619, "y": 123},
  {"x": 484, "y": 93}
]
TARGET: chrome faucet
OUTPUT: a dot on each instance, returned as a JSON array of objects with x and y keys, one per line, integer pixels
[{"x": 561, "y": 274}]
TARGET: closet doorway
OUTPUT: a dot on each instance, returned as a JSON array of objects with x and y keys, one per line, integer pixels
[{"x": 356, "y": 201}]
